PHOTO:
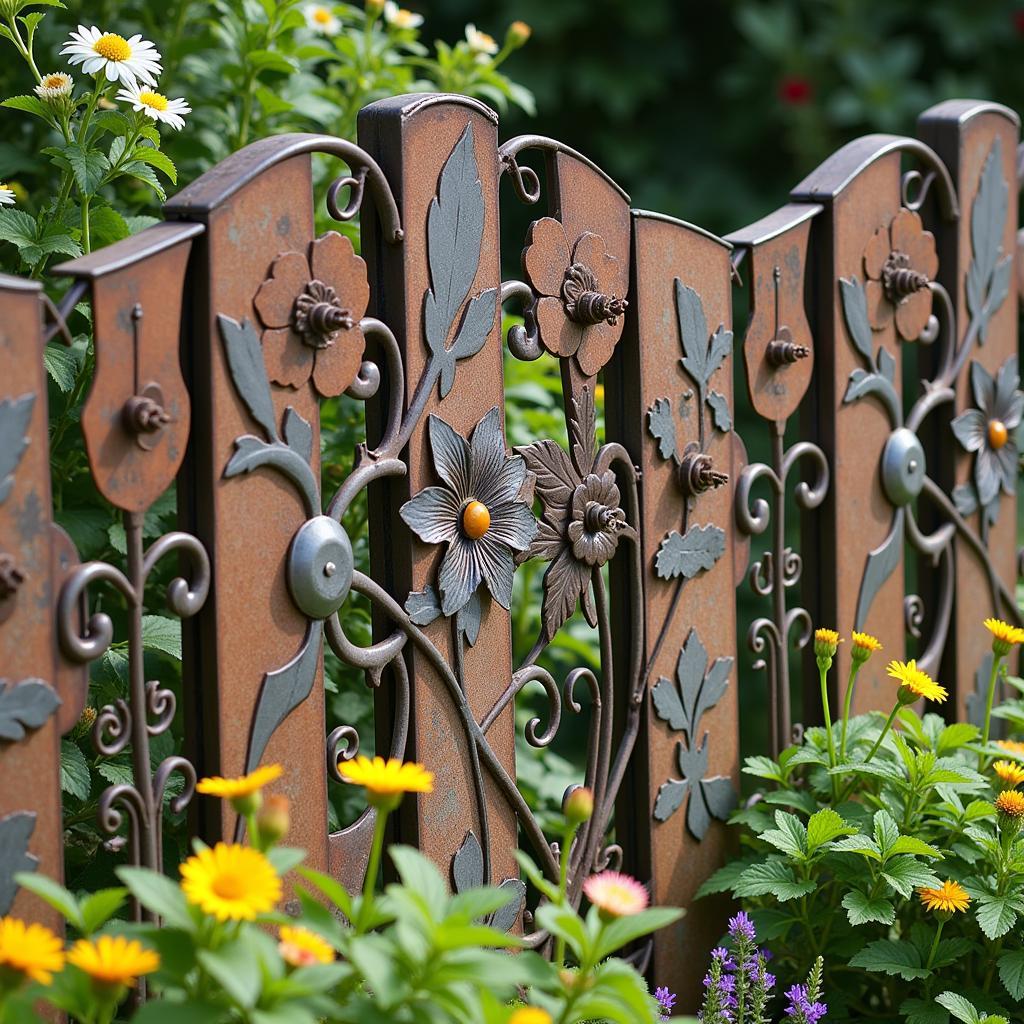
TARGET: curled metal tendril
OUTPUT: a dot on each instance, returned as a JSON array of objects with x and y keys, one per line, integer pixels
[
  {"x": 913, "y": 614},
  {"x": 184, "y": 598},
  {"x": 89, "y": 643},
  {"x": 367, "y": 383},
  {"x": 763, "y": 638},
  {"x": 524, "y": 179},
  {"x": 762, "y": 575},
  {"x": 808, "y": 496},
  {"x": 167, "y": 768},
  {"x": 609, "y": 858},
  {"x": 160, "y": 704},
  {"x": 523, "y": 339},
  {"x": 356, "y": 184},
  {"x": 111, "y": 732},
  {"x": 792, "y": 567},
  {"x": 754, "y": 519},
  {"x": 346, "y": 737},
  {"x": 114, "y": 801},
  {"x": 914, "y": 180},
  {"x": 536, "y": 674},
  {"x": 570, "y": 685}
]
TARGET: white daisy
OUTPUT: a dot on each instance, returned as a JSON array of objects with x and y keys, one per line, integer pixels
[
  {"x": 55, "y": 86},
  {"x": 399, "y": 17},
  {"x": 6, "y": 195},
  {"x": 480, "y": 43},
  {"x": 156, "y": 105},
  {"x": 126, "y": 60},
  {"x": 322, "y": 19}
]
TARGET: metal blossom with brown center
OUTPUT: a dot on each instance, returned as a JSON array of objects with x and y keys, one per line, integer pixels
[
  {"x": 577, "y": 312},
  {"x": 312, "y": 309},
  {"x": 478, "y": 511},
  {"x": 900, "y": 261}
]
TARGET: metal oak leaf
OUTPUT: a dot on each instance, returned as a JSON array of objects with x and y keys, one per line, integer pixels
[
  {"x": 662, "y": 426},
  {"x": 15, "y": 414},
  {"x": 455, "y": 227},
  {"x": 26, "y": 705},
  {"x": 988, "y": 276},
  {"x": 682, "y": 706},
  {"x": 15, "y": 831},
  {"x": 468, "y": 873},
  {"x": 702, "y": 356},
  {"x": 691, "y": 553}
]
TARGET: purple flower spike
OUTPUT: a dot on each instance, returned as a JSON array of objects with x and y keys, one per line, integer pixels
[
  {"x": 666, "y": 1000},
  {"x": 741, "y": 926}
]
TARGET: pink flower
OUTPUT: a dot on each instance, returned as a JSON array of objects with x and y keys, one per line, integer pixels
[{"x": 615, "y": 894}]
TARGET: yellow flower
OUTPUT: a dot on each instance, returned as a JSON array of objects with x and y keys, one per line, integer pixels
[
  {"x": 1009, "y": 772},
  {"x": 864, "y": 645},
  {"x": 30, "y": 949},
  {"x": 1004, "y": 636},
  {"x": 1011, "y": 804},
  {"x": 615, "y": 894},
  {"x": 826, "y": 643},
  {"x": 230, "y": 882},
  {"x": 530, "y": 1015},
  {"x": 949, "y": 897},
  {"x": 518, "y": 33},
  {"x": 243, "y": 792},
  {"x": 915, "y": 683},
  {"x": 113, "y": 959},
  {"x": 1011, "y": 747},
  {"x": 302, "y": 948},
  {"x": 386, "y": 781}
]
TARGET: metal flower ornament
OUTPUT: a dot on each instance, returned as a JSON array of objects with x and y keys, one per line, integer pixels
[{"x": 478, "y": 510}]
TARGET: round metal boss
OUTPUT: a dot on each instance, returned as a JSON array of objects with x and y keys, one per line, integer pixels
[
  {"x": 903, "y": 466},
  {"x": 320, "y": 567}
]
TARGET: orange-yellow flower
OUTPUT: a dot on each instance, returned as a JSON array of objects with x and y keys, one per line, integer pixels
[
  {"x": 113, "y": 959},
  {"x": 615, "y": 894},
  {"x": 864, "y": 645},
  {"x": 230, "y": 882},
  {"x": 530, "y": 1015},
  {"x": 826, "y": 643},
  {"x": 301, "y": 947},
  {"x": 1004, "y": 636},
  {"x": 1010, "y": 803},
  {"x": 245, "y": 785},
  {"x": 1009, "y": 772},
  {"x": 1011, "y": 747},
  {"x": 947, "y": 898},
  {"x": 915, "y": 683},
  {"x": 30, "y": 949},
  {"x": 386, "y": 781}
]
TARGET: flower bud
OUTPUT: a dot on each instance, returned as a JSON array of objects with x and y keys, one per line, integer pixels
[
  {"x": 84, "y": 725},
  {"x": 864, "y": 645},
  {"x": 578, "y": 806},
  {"x": 374, "y": 7},
  {"x": 518, "y": 33},
  {"x": 826, "y": 643},
  {"x": 273, "y": 819}
]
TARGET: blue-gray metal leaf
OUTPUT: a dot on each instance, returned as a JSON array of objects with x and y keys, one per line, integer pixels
[
  {"x": 720, "y": 408},
  {"x": 423, "y": 606},
  {"x": 283, "y": 690},
  {"x": 251, "y": 453},
  {"x": 662, "y": 425},
  {"x": 716, "y": 800},
  {"x": 15, "y": 414},
  {"x": 668, "y": 706},
  {"x": 468, "y": 864},
  {"x": 298, "y": 434},
  {"x": 690, "y": 554},
  {"x": 470, "y": 616},
  {"x": 988, "y": 276},
  {"x": 15, "y": 831},
  {"x": 248, "y": 371},
  {"x": 693, "y": 333},
  {"x": 26, "y": 705},
  {"x": 671, "y": 795},
  {"x": 863, "y": 383},
  {"x": 881, "y": 564},
  {"x": 504, "y": 919},
  {"x": 855, "y": 313}
]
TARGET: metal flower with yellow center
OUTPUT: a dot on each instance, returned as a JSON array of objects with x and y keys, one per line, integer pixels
[
  {"x": 947, "y": 898},
  {"x": 230, "y": 882},
  {"x": 113, "y": 960},
  {"x": 30, "y": 950},
  {"x": 129, "y": 61},
  {"x": 1010, "y": 773},
  {"x": 478, "y": 510},
  {"x": 915, "y": 683}
]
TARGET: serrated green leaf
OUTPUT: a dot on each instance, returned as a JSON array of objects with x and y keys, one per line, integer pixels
[
  {"x": 961, "y": 1008},
  {"x": 162, "y": 634},
  {"x": 905, "y": 874},
  {"x": 158, "y": 159},
  {"x": 74, "y": 771},
  {"x": 893, "y": 957},
  {"x": 790, "y": 836},
  {"x": 1011, "y": 973},
  {"x": 998, "y": 914},
  {"x": 61, "y": 365},
  {"x": 772, "y": 877},
  {"x": 861, "y": 909},
  {"x": 824, "y": 826},
  {"x": 87, "y": 165}
]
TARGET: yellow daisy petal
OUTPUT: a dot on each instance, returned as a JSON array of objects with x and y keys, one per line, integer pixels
[
  {"x": 301, "y": 947},
  {"x": 113, "y": 959},
  {"x": 947, "y": 898},
  {"x": 915, "y": 683},
  {"x": 245, "y": 785},
  {"x": 231, "y": 882},
  {"x": 386, "y": 781},
  {"x": 30, "y": 949}
]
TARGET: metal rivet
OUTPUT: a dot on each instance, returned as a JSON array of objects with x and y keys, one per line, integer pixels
[{"x": 329, "y": 569}]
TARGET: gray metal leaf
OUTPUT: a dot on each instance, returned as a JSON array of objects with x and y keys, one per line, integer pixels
[
  {"x": 712, "y": 798},
  {"x": 15, "y": 831},
  {"x": 716, "y": 682},
  {"x": 423, "y": 606},
  {"x": 476, "y": 325},
  {"x": 688, "y": 555},
  {"x": 468, "y": 864},
  {"x": 862, "y": 383},
  {"x": 662, "y": 426},
  {"x": 965, "y": 498},
  {"x": 469, "y": 617},
  {"x": 668, "y": 706},
  {"x": 15, "y": 415},
  {"x": 690, "y": 668},
  {"x": 251, "y": 453},
  {"x": 298, "y": 434},
  {"x": 886, "y": 364},
  {"x": 557, "y": 479},
  {"x": 855, "y": 313},
  {"x": 720, "y": 408},
  {"x": 988, "y": 219},
  {"x": 881, "y": 564},
  {"x": 565, "y": 580},
  {"x": 671, "y": 795},
  {"x": 248, "y": 371},
  {"x": 283, "y": 690},
  {"x": 504, "y": 919},
  {"x": 26, "y": 705},
  {"x": 693, "y": 332}
]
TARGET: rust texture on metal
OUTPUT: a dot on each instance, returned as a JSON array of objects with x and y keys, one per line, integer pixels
[
  {"x": 41, "y": 694},
  {"x": 219, "y": 333}
]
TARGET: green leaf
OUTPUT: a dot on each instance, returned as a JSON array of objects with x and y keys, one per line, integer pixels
[
  {"x": 763, "y": 768},
  {"x": 331, "y": 888},
  {"x": 144, "y": 173},
  {"x": 564, "y": 923},
  {"x": 861, "y": 909},
  {"x": 29, "y": 105},
  {"x": 908, "y": 844},
  {"x": 160, "y": 1011},
  {"x": 158, "y": 894},
  {"x": 1011, "y": 973},
  {"x": 772, "y": 878},
  {"x": 106, "y": 226},
  {"x": 858, "y": 844},
  {"x": 905, "y": 875},
  {"x": 100, "y": 906},
  {"x": 421, "y": 876},
  {"x": 17, "y": 227},
  {"x": 87, "y": 165},
  {"x": 624, "y": 930},
  {"x": 158, "y": 159},
  {"x": 998, "y": 914},
  {"x": 824, "y": 826},
  {"x": 62, "y": 366},
  {"x": 960, "y": 1007},
  {"x": 923, "y": 1011},
  {"x": 886, "y": 831},
  {"x": 162, "y": 634},
  {"x": 790, "y": 837},
  {"x": 724, "y": 878},
  {"x": 954, "y": 736},
  {"x": 889, "y": 956},
  {"x": 74, "y": 771},
  {"x": 235, "y": 965},
  {"x": 55, "y": 895}
]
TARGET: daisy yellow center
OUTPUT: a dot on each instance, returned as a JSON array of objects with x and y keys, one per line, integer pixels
[
  {"x": 112, "y": 47},
  {"x": 476, "y": 519},
  {"x": 229, "y": 887},
  {"x": 998, "y": 435},
  {"x": 322, "y": 16},
  {"x": 403, "y": 19},
  {"x": 1011, "y": 803},
  {"x": 153, "y": 100},
  {"x": 53, "y": 82}
]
